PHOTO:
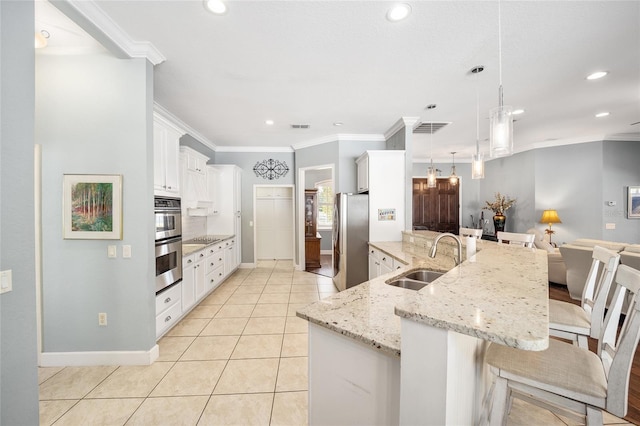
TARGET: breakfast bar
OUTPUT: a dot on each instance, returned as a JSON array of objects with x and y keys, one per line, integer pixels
[{"x": 380, "y": 354}]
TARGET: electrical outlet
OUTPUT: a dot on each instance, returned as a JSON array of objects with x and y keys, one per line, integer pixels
[
  {"x": 102, "y": 318},
  {"x": 5, "y": 280}
]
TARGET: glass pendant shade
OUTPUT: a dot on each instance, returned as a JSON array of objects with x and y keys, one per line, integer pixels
[
  {"x": 477, "y": 166},
  {"x": 453, "y": 178},
  {"x": 431, "y": 177},
  {"x": 501, "y": 131}
]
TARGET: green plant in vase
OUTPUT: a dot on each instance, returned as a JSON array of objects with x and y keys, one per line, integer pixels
[{"x": 499, "y": 206}]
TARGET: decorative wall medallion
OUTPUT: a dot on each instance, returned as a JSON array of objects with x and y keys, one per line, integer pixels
[{"x": 271, "y": 169}]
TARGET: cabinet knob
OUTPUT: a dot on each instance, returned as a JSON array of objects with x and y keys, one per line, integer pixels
[
  {"x": 189, "y": 261},
  {"x": 167, "y": 300},
  {"x": 201, "y": 254},
  {"x": 168, "y": 187},
  {"x": 384, "y": 259},
  {"x": 167, "y": 319}
]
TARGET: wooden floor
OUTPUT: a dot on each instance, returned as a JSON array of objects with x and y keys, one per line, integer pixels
[
  {"x": 326, "y": 268},
  {"x": 560, "y": 292}
]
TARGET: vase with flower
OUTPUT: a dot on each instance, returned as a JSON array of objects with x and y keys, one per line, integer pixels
[{"x": 499, "y": 206}]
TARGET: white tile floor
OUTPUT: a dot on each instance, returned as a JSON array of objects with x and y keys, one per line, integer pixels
[{"x": 239, "y": 358}]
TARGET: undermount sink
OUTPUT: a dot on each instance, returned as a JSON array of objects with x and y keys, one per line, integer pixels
[{"x": 416, "y": 280}]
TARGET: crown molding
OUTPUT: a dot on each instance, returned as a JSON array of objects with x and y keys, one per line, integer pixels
[
  {"x": 406, "y": 122},
  {"x": 341, "y": 137},
  {"x": 182, "y": 126},
  {"x": 230, "y": 148},
  {"x": 93, "y": 15}
]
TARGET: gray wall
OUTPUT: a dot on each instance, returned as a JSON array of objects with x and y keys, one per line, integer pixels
[
  {"x": 348, "y": 153},
  {"x": 621, "y": 167},
  {"x": 19, "y": 383},
  {"x": 94, "y": 116},
  {"x": 247, "y": 161},
  {"x": 569, "y": 179},
  {"x": 514, "y": 177}
]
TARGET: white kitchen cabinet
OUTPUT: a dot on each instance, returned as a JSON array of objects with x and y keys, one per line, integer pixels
[
  {"x": 168, "y": 308},
  {"x": 385, "y": 176},
  {"x": 196, "y": 199},
  {"x": 228, "y": 191},
  {"x": 166, "y": 142},
  {"x": 363, "y": 173},
  {"x": 193, "y": 284},
  {"x": 230, "y": 258},
  {"x": 214, "y": 266},
  {"x": 381, "y": 263}
]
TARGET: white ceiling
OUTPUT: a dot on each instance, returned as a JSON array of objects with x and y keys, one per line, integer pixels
[{"x": 320, "y": 62}]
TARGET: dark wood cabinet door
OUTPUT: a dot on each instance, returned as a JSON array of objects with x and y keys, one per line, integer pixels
[{"x": 436, "y": 209}]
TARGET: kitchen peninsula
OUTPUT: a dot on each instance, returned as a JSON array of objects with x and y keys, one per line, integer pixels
[{"x": 356, "y": 337}]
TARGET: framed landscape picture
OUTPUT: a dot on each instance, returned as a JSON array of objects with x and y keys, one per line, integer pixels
[
  {"x": 634, "y": 202},
  {"x": 92, "y": 207}
]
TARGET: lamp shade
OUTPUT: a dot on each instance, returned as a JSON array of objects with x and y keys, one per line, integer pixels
[{"x": 550, "y": 216}]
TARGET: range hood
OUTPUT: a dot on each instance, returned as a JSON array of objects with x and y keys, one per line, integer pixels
[{"x": 202, "y": 208}]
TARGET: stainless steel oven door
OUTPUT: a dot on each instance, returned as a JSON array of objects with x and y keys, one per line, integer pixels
[
  {"x": 168, "y": 224},
  {"x": 168, "y": 263}
]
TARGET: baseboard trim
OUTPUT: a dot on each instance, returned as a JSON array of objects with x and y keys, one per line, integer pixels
[
  {"x": 80, "y": 359},
  {"x": 247, "y": 265},
  {"x": 326, "y": 251}
]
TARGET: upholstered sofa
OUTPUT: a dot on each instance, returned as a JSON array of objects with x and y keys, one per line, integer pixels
[
  {"x": 577, "y": 257},
  {"x": 555, "y": 264}
]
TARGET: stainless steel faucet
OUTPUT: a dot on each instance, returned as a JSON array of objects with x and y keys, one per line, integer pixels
[{"x": 434, "y": 247}]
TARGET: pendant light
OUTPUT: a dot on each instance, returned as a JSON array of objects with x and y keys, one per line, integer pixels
[
  {"x": 453, "y": 178},
  {"x": 500, "y": 119},
  {"x": 431, "y": 171},
  {"x": 477, "y": 161}
]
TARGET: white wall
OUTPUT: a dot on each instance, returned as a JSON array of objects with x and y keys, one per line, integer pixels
[{"x": 94, "y": 116}]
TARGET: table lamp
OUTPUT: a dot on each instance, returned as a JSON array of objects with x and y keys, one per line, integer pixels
[{"x": 550, "y": 216}]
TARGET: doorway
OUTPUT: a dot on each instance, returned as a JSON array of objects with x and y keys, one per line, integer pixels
[
  {"x": 274, "y": 223},
  {"x": 436, "y": 209}
]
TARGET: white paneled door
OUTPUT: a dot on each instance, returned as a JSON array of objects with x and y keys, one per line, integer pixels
[{"x": 274, "y": 222}]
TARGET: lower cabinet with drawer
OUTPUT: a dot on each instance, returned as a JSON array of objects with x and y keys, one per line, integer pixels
[{"x": 168, "y": 308}]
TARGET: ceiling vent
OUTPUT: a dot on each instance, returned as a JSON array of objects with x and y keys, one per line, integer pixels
[
  {"x": 426, "y": 126},
  {"x": 300, "y": 126}
]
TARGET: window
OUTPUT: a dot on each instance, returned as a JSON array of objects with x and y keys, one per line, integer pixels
[{"x": 325, "y": 204}]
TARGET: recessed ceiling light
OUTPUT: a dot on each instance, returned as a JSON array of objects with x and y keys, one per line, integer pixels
[
  {"x": 597, "y": 75},
  {"x": 517, "y": 111},
  {"x": 602, "y": 114},
  {"x": 215, "y": 6},
  {"x": 398, "y": 12},
  {"x": 338, "y": 123},
  {"x": 268, "y": 122}
]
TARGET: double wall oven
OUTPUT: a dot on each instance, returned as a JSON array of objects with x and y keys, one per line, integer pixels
[{"x": 168, "y": 242}]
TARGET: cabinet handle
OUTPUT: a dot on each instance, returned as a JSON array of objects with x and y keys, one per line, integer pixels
[
  {"x": 189, "y": 261},
  {"x": 168, "y": 187},
  {"x": 219, "y": 274},
  {"x": 201, "y": 254},
  {"x": 211, "y": 264},
  {"x": 167, "y": 319},
  {"x": 167, "y": 300},
  {"x": 220, "y": 259}
]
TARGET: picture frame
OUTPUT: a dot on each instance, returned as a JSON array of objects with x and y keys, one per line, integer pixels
[
  {"x": 92, "y": 207},
  {"x": 633, "y": 202}
]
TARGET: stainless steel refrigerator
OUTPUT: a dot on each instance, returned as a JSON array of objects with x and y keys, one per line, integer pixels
[{"x": 350, "y": 238}]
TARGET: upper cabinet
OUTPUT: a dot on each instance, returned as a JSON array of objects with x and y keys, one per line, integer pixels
[
  {"x": 196, "y": 198},
  {"x": 166, "y": 171},
  {"x": 363, "y": 173}
]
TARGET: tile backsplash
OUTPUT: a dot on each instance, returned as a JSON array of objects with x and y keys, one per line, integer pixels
[{"x": 193, "y": 226}]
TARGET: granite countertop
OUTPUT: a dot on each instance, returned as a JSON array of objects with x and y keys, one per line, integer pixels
[
  {"x": 499, "y": 295},
  {"x": 196, "y": 244}
]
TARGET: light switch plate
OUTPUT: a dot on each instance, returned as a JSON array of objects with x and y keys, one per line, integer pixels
[
  {"x": 112, "y": 251},
  {"x": 126, "y": 251},
  {"x": 610, "y": 226},
  {"x": 6, "y": 284}
]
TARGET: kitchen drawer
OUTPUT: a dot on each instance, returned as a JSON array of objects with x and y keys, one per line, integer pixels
[
  {"x": 375, "y": 253},
  {"x": 214, "y": 261},
  {"x": 213, "y": 249},
  {"x": 168, "y": 318},
  {"x": 167, "y": 298},
  {"x": 188, "y": 260},
  {"x": 386, "y": 260},
  {"x": 215, "y": 278}
]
